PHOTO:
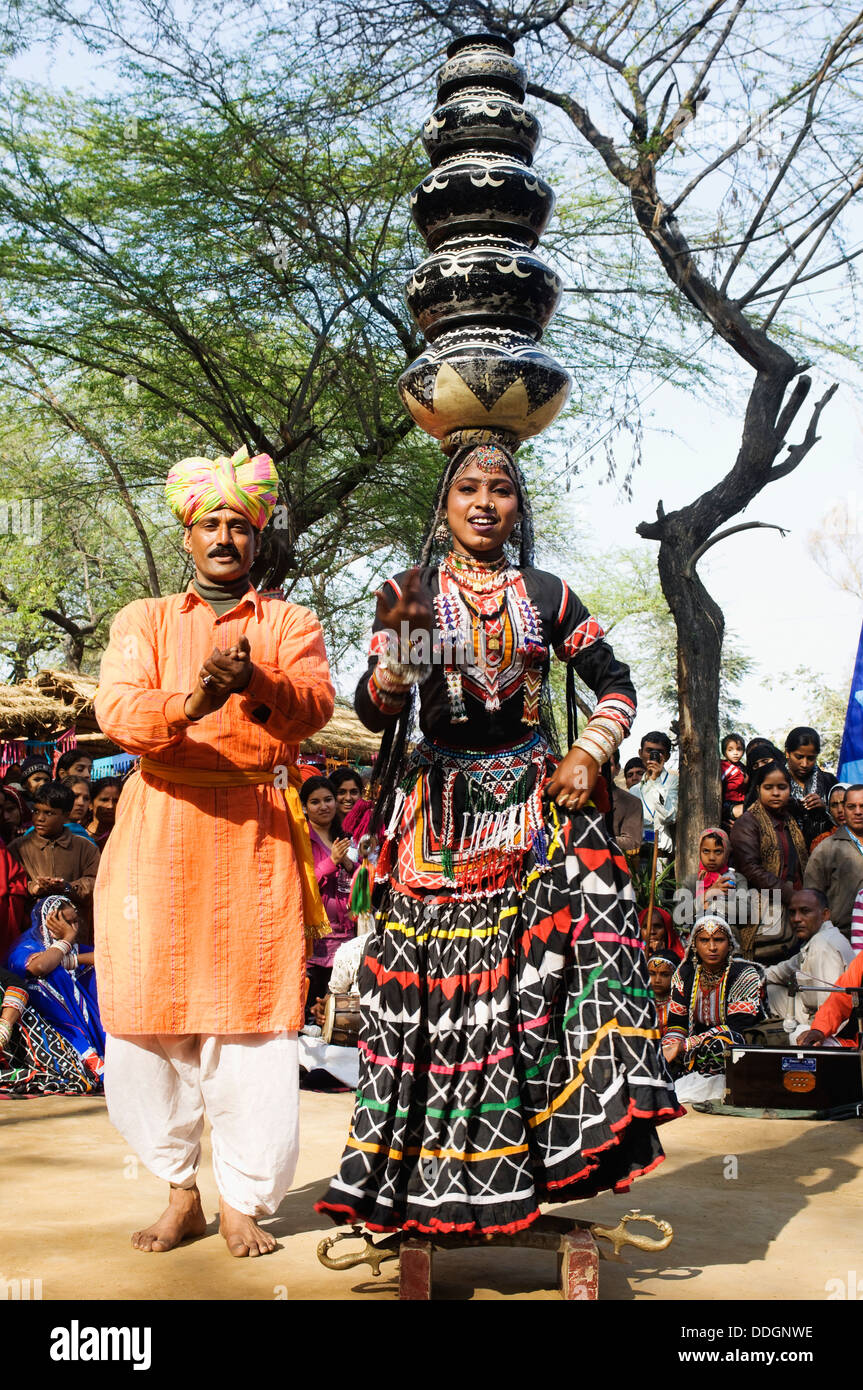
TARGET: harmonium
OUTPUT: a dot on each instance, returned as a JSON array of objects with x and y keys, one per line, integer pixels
[{"x": 794, "y": 1078}]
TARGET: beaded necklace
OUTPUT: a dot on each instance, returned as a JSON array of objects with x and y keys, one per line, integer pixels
[{"x": 480, "y": 576}]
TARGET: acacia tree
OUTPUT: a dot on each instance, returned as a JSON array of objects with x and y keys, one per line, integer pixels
[
  {"x": 222, "y": 270},
  {"x": 212, "y": 255},
  {"x": 730, "y": 129}
]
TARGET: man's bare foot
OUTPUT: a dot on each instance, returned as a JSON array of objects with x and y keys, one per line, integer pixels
[
  {"x": 242, "y": 1234},
  {"x": 182, "y": 1218}
]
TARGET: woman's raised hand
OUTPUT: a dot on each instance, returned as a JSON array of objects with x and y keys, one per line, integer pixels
[
  {"x": 339, "y": 851},
  {"x": 413, "y": 609}
]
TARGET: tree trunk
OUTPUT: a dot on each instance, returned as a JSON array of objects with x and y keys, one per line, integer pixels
[
  {"x": 73, "y": 651},
  {"x": 700, "y": 629}
]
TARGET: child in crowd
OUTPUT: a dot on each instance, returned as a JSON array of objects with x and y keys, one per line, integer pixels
[
  {"x": 55, "y": 860},
  {"x": 733, "y": 777},
  {"x": 715, "y": 879},
  {"x": 35, "y": 773},
  {"x": 661, "y": 966}
]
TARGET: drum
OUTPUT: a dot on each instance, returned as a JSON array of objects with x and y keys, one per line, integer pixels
[{"x": 342, "y": 1020}]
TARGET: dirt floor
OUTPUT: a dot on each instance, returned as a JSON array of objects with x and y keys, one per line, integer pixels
[{"x": 760, "y": 1209}]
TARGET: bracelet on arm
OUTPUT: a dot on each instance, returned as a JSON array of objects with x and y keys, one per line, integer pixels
[
  {"x": 401, "y": 675},
  {"x": 64, "y": 947},
  {"x": 600, "y": 739}
]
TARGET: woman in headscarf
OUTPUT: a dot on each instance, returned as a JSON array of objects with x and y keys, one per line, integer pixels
[
  {"x": 663, "y": 935},
  {"x": 60, "y": 978},
  {"x": 34, "y": 1059},
  {"x": 509, "y": 1044},
  {"x": 714, "y": 996},
  {"x": 836, "y": 812}
]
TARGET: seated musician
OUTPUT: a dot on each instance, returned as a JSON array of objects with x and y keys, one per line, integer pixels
[
  {"x": 833, "y": 1025},
  {"x": 714, "y": 996},
  {"x": 824, "y": 954}
]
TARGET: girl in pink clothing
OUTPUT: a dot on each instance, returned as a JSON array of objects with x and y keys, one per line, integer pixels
[{"x": 334, "y": 858}]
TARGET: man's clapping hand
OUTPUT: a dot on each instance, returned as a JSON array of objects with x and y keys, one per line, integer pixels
[{"x": 222, "y": 675}]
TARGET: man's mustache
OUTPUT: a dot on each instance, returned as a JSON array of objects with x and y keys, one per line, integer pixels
[{"x": 220, "y": 551}]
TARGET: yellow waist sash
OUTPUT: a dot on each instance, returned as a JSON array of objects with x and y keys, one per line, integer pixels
[{"x": 315, "y": 918}]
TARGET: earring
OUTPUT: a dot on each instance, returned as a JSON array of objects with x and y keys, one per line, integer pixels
[
  {"x": 515, "y": 534},
  {"x": 442, "y": 535}
]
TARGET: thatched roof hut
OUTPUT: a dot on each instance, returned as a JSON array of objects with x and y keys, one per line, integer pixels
[
  {"x": 52, "y": 702},
  {"x": 344, "y": 739}
]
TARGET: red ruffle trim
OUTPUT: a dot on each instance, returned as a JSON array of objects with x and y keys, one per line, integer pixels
[{"x": 549, "y": 1192}]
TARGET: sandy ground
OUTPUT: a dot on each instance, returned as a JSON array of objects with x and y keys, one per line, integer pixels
[{"x": 761, "y": 1210}]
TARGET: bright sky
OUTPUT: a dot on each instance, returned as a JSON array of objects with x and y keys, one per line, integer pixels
[{"x": 777, "y": 601}]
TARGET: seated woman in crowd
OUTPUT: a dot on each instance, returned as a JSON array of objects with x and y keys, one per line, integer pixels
[
  {"x": 34, "y": 1059},
  {"x": 331, "y": 850},
  {"x": 661, "y": 966},
  {"x": 768, "y": 849},
  {"x": 105, "y": 795},
  {"x": 714, "y": 996},
  {"x": 61, "y": 979},
  {"x": 810, "y": 784},
  {"x": 663, "y": 935},
  {"x": 836, "y": 812}
]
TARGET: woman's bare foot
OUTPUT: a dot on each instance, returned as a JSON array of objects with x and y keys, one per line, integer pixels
[
  {"x": 182, "y": 1218},
  {"x": 242, "y": 1234}
]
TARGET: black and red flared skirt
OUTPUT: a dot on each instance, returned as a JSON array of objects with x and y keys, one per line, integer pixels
[{"x": 509, "y": 1051}]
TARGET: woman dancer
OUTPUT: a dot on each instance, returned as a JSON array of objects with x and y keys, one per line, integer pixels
[{"x": 509, "y": 1047}]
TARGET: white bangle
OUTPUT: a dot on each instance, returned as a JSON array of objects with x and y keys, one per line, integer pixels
[
  {"x": 64, "y": 947},
  {"x": 401, "y": 673}
]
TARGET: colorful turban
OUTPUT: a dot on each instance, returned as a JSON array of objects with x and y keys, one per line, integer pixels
[{"x": 196, "y": 486}]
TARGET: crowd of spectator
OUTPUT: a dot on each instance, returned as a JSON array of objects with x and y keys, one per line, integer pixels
[{"x": 776, "y": 901}]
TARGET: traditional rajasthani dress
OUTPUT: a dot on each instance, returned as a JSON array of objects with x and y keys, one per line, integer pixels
[
  {"x": 36, "y": 1060},
  {"x": 65, "y": 998},
  {"x": 709, "y": 1010},
  {"x": 509, "y": 1039}
]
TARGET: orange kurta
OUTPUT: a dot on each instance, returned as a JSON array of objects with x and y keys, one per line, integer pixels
[{"x": 198, "y": 908}]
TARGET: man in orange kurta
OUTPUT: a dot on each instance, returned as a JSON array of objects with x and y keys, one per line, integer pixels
[{"x": 203, "y": 891}]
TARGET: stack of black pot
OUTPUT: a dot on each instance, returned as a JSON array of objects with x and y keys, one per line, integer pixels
[{"x": 483, "y": 297}]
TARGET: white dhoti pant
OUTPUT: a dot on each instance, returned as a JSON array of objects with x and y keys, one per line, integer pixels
[{"x": 159, "y": 1087}]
